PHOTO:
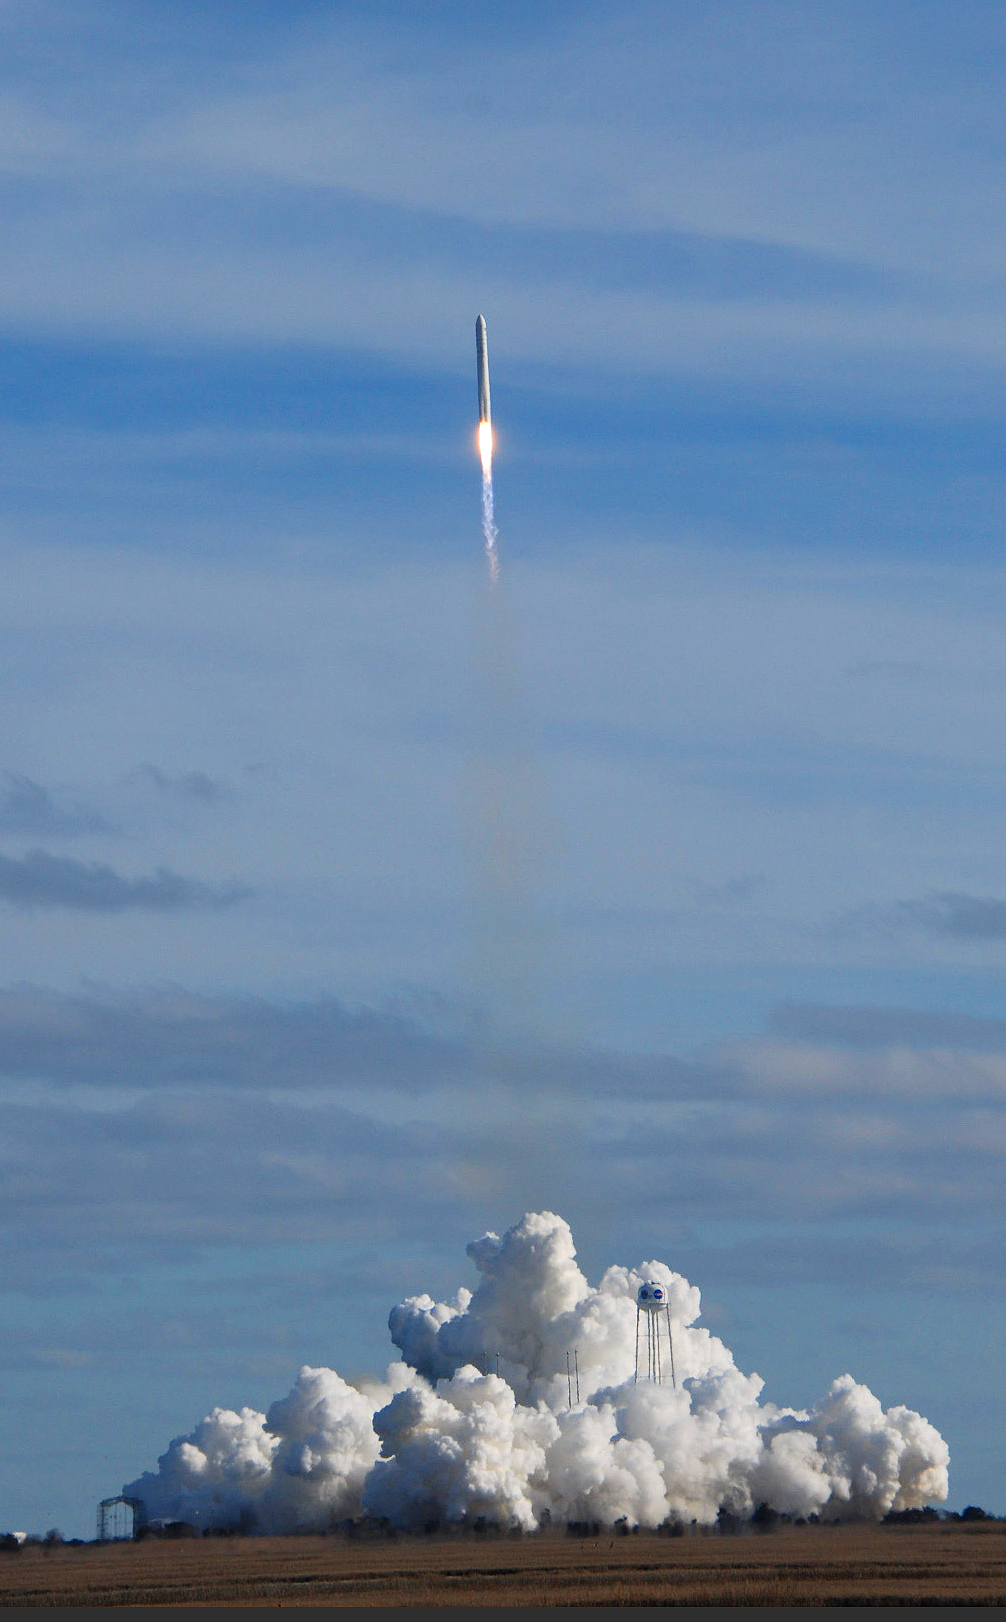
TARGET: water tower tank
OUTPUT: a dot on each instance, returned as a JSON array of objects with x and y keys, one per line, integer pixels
[{"x": 651, "y": 1297}]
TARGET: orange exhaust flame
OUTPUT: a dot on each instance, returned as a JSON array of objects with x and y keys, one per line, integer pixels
[{"x": 486, "y": 447}]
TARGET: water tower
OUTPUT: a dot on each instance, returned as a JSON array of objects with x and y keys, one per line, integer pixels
[{"x": 653, "y": 1309}]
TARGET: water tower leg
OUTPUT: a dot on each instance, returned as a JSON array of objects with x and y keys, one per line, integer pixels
[{"x": 670, "y": 1348}]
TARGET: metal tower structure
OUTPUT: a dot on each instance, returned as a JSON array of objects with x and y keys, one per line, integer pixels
[
  {"x": 653, "y": 1310},
  {"x": 120, "y": 1518}
]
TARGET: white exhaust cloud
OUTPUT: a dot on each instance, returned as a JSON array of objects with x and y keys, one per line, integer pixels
[
  {"x": 477, "y": 1421},
  {"x": 489, "y": 530}
]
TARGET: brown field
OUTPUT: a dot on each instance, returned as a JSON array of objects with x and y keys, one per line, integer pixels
[{"x": 945, "y": 1564}]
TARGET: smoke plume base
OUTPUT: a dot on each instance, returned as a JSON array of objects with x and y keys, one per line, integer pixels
[{"x": 445, "y": 1438}]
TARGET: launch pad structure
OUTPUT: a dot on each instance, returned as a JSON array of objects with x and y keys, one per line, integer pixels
[
  {"x": 120, "y": 1518},
  {"x": 653, "y": 1309}
]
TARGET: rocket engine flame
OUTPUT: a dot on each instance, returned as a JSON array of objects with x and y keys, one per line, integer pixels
[{"x": 486, "y": 449}]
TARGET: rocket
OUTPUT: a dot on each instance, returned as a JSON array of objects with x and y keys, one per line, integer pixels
[
  {"x": 485, "y": 436},
  {"x": 482, "y": 370}
]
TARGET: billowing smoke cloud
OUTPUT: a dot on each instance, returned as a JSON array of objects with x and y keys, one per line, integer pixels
[{"x": 480, "y": 1419}]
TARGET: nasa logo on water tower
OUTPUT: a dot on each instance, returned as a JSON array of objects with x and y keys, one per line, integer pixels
[{"x": 651, "y": 1297}]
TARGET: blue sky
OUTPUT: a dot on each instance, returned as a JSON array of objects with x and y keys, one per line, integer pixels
[{"x": 324, "y": 878}]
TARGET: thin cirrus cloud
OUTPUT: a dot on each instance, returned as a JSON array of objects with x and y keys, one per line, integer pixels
[
  {"x": 175, "y": 1036},
  {"x": 954, "y": 913},
  {"x": 151, "y": 1038},
  {"x": 708, "y": 220},
  {"x": 193, "y": 785},
  {"x": 256, "y": 1121},
  {"x": 863, "y": 1025},
  {"x": 26, "y": 807},
  {"x": 29, "y": 809},
  {"x": 39, "y": 879},
  {"x": 944, "y": 914},
  {"x": 179, "y": 1162}
]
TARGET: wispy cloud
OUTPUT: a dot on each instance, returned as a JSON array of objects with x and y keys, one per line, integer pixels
[
  {"x": 954, "y": 913},
  {"x": 948, "y": 915},
  {"x": 907, "y": 670},
  {"x": 28, "y": 808},
  {"x": 192, "y": 785},
  {"x": 155, "y": 1038},
  {"x": 39, "y": 879},
  {"x": 175, "y": 1119},
  {"x": 867, "y": 1026},
  {"x": 673, "y": 234}
]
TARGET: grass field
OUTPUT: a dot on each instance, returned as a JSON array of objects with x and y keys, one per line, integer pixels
[{"x": 945, "y": 1564}]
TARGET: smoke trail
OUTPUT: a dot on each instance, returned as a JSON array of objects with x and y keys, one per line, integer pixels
[
  {"x": 510, "y": 840},
  {"x": 507, "y": 963},
  {"x": 489, "y": 530},
  {"x": 479, "y": 1420}
]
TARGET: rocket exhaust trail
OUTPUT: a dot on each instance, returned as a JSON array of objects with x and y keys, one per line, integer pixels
[{"x": 489, "y": 530}]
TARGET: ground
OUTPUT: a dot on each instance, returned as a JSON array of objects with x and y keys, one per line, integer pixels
[{"x": 943, "y": 1563}]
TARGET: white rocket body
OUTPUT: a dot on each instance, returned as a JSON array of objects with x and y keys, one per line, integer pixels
[{"x": 482, "y": 370}]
